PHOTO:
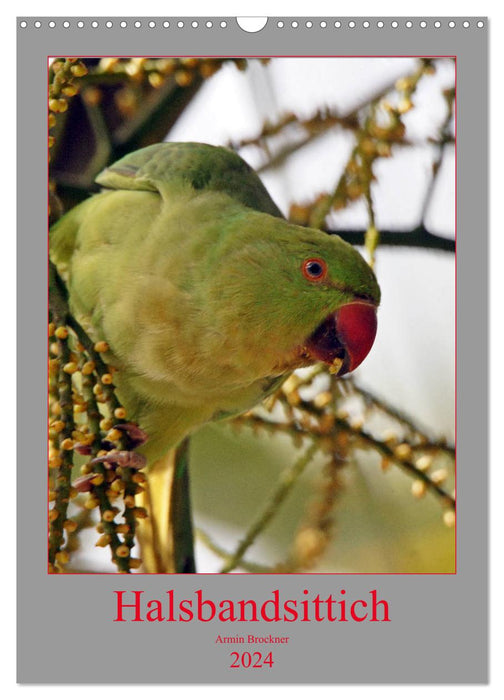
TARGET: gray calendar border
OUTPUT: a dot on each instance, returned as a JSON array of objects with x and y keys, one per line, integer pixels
[{"x": 439, "y": 623}]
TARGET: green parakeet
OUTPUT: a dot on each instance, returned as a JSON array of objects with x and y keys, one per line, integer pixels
[{"x": 205, "y": 295}]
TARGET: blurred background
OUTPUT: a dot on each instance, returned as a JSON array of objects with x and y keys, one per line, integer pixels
[{"x": 363, "y": 147}]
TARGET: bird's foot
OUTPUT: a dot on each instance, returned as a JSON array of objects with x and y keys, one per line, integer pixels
[
  {"x": 121, "y": 458},
  {"x": 136, "y": 436}
]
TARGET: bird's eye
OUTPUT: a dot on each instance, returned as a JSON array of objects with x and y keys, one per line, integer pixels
[{"x": 314, "y": 269}]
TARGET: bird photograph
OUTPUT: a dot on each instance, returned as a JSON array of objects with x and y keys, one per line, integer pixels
[{"x": 251, "y": 271}]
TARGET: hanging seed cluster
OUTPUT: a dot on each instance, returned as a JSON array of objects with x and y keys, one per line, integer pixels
[
  {"x": 86, "y": 419},
  {"x": 331, "y": 414},
  {"x": 62, "y": 86},
  {"x": 134, "y": 78},
  {"x": 377, "y": 129}
]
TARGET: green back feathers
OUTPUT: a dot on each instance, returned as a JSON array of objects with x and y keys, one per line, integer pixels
[{"x": 168, "y": 167}]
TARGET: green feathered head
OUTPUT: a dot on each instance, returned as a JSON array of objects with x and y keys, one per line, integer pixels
[{"x": 292, "y": 292}]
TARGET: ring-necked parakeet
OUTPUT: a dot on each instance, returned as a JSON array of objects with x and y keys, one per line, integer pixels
[{"x": 205, "y": 295}]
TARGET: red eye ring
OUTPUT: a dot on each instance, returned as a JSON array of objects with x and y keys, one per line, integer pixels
[{"x": 314, "y": 269}]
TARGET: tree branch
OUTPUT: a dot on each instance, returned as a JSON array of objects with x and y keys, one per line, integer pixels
[{"x": 418, "y": 237}]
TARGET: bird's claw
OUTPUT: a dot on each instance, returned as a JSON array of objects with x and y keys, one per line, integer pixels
[
  {"x": 135, "y": 435},
  {"x": 121, "y": 458}
]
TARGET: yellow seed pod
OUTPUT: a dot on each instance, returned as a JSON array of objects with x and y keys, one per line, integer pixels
[
  {"x": 52, "y": 120},
  {"x": 207, "y": 69},
  {"x": 439, "y": 476},
  {"x": 129, "y": 501},
  {"x": 404, "y": 105},
  {"x": 449, "y": 518},
  {"x": 135, "y": 563},
  {"x": 55, "y": 461},
  {"x": 368, "y": 146},
  {"x": 122, "y": 551},
  {"x": 156, "y": 80},
  {"x": 61, "y": 332},
  {"x": 55, "y": 408},
  {"x": 323, "y": 399},
  {"x": 70, "y": 367},
  {"x": 309, "y": 543},
  {"x": 120, "y": 413},
  {"x": 62, "y": 557},
  {"x": 70, "y": 525},
  {"x": 291, "y": 384},
  {"x": 91, "y": 502},
  {"x": 105, "y": 424},
  {"x": 108, "y": 515},
  {"x": 67, "y": 444},
  {"x": 403, "y": 451},
  {"x": 73, "y": 493},
  {"x": 54, "y": 105},
  {"x": 122, "y": 529},
  {"x": 424, "y": 463},
  {"x": 51, "y": 496},
  {"x": 53, "y": 515},
  {"x": 418, "y": 488},
  {"x": 70, "y": 90},
  {"x": 98, "y": 480},
  {"x": 114, "y": 435},
  {"x": 166, "y": 65},
  {"x": 183, "y": 78},
  {"x": 103, "y": 541},
  {"x": 189, "y": 61},
  {"x": 390, "y": 438},
  {"x": 117, "y": 486},
  {"x": 101, "y": 346},
  {"x": 88, "y": 367},
  {"x": 106, "y": 379},
  {"x": 108, "y": 63},
  {"x": 79, "y": 70},
  {"x": 58, "y": 426},
  {"x": 403, "y": 84}
]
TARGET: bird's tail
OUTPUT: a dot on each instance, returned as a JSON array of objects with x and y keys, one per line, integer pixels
[{"x": 166, "y": 535}]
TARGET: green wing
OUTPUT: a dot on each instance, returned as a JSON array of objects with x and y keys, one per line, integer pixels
[{"x": 168, "y": 168}]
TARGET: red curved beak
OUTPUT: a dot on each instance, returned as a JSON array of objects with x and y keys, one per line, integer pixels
[{"x": 346, "y": 335}]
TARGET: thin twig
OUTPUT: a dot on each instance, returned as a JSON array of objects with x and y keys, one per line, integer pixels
[{"x": 286, "y": 483}]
